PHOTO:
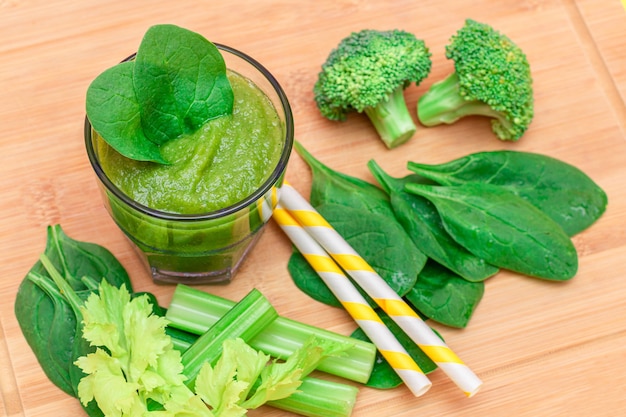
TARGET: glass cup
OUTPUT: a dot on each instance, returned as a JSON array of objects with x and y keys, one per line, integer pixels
[{"x": 206, "y": 248}]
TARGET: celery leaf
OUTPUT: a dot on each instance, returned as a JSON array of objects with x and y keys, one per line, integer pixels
[
  {"x": 135, "y": 361},
  {"x": 281, "y": 379}
]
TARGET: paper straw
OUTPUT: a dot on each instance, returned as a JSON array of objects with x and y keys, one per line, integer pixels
[
  {"x": 266, "y": 204},
  {"x": 390, "y": 302},
  {"x": 354, "y": 303}
]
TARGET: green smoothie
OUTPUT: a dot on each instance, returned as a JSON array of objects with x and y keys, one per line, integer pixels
[
  {"x": 217, "y": 166},
  {"x": 195, "y": 143}
]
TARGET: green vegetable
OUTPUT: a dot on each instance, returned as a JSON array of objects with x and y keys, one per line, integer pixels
[
  {"x": 195, "y": 311},
  {"x": 332, "y": 187},
  {"x": 315, "y": 397},
  {"x": 502, "y": 228},
  {"x": 308, "y": 281},
  {"x": 320, "y": 398},
  {"x": 106, "y": 107},
  {"x": 127, "y": 360},
  {"x": 245, "y": 320},
  {"x": 181, "y": 339},
  {"x": 56, "y": 361},
  {"x": 275, "y": 384},
  {"x": 423, "y": 224},
  {"x": 135, "y": 368},
  {"x": 368, "y": 72},
  {"x": 561, "y": 190},
  {"x": 106, "y": 343},
  {"x": 47, "y": 321},
  {"x": 362, "y": 214},
  {"x": 383, "y": 375},
  {"x": 176, "y": 83},
  {"x": 381, "y": 241},
  {"x": 445, "y": 297},
  {"x": 492, "y": 78}
]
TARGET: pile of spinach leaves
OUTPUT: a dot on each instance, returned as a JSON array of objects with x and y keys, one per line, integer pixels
[
  {"x": 48, "y": 321},
  {"x": 438, "y": 233}
]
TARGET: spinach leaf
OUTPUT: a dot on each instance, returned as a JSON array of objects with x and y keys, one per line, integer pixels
[
  {"x": 61, "y": 331},
  {"x": 503, "y": 228},
  {"x": 423, "y": 224},
  {"x": 176, "y": 83},
  {"x": 46, "y": 319},
  {"x": 383, "y": 376},
  {"x": 383, "y": 244},
  {"x": 443, "y": 296},
  {"x": 308, "y": 281},
  {"x": 180, "y": 81},
  {"x": 49, "y": 321},
  {"x": 330, "y": 186},
  {"x": 116, "y": 114},
  {"x": 559, "y": 189},
  {"x": 362, "y": 214}
]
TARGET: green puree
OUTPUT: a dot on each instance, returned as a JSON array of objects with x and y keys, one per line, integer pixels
[{"x": 222, "y": 163}]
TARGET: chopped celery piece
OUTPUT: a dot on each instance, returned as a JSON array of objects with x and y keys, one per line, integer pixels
[
  {"x": 195, "y": 311},
  {"x": 319, "y": 398},
  {"x": 244, "y": 320},
  {"x": 180, "y": 338},
  {"x": 315, "y": 397}
]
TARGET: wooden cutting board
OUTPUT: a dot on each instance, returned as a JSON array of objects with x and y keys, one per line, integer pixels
[{"x": 542, "y": 349}]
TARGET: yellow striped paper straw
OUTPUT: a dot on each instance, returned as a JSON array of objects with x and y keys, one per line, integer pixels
[
  {"x": 266, "y": 204},
  {"x": 354, "y": 303},
  {"x": 390, "y": 302}
]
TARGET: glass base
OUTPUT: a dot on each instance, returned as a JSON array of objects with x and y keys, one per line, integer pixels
[
  {"x": 197, "y": 270},
  {"x": 222, "y": 277}
]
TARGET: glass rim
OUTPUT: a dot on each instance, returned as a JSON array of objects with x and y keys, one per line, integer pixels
[{"x": 220, "y": 213}]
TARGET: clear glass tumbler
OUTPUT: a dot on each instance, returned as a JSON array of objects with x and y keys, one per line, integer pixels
[{"x": 207, "y": 248}]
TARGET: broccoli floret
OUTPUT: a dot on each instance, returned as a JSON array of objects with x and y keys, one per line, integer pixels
[
  {"x": 368, "y": 72},
  {"x": 492, "y": 78}
]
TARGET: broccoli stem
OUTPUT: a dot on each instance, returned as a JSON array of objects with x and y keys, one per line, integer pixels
[
  {"x": 443, "y": 103},
  {"x": 392, "y": 120}
]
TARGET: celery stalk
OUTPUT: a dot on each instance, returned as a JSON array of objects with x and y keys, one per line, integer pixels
[
  {"x": 244, "y": 320},
  {"x": 319, "y": 398},
  {"x": 315, "y": 397},
  {"x": 195, "y": 311},
  {"x": 180, "y": 338}
]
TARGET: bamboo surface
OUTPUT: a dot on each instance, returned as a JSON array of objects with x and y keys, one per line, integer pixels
[{"x": 541, "y": 348}]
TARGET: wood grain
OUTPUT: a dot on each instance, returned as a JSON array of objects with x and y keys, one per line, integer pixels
[{"x": 542, "y": 349}]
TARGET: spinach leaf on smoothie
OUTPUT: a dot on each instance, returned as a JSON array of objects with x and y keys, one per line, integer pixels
[
  {"x": 116, "y": 115},
  {"x": 180, "y": 81},
  {"x": 176, "y": 83}
]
